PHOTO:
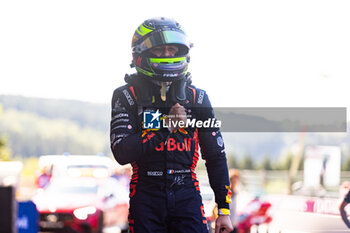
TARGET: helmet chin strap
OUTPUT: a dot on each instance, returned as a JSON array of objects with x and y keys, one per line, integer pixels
[
  {"x": 176, "y": 89},
  {"x": 163, "y": 91},
  {"x": 164, "y": 87}
]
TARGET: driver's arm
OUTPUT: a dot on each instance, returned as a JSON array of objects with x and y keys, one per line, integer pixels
[{"x": 343, "y": 213}]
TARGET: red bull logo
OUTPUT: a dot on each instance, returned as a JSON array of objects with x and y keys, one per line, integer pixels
[{"x": 172, "y": 145}]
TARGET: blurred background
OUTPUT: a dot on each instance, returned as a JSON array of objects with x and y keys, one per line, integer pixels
[{"x": 61, "y": 60}]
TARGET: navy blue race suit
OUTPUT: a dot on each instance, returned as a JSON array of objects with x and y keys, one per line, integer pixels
[
  {"x": 164, "y": 191},
  {"x": 347, "y": 197}
]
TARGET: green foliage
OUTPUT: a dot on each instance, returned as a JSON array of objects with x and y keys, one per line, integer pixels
[
  {"x": 83, "y": 114},
  {"x": 247, "y": 163},
  {"x": 32, "y": 129},
  {"x": 284, "y": 163},
  {"x": 346, "y": 164},
  {"x": 266, "y": 164},
  {"x": 233, "y": 162},
  {"x": 5, "y": 152}
]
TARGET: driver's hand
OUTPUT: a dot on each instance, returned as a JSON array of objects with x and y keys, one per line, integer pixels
[
  {"x": 223, "y": 224},
  {"x": 176, "y": 114}
]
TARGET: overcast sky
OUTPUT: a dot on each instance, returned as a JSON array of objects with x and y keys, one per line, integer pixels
[{"x": 250, "y": 53}]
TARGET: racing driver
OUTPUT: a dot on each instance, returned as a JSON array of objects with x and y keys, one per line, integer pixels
[{"x": 149, "y": 131}]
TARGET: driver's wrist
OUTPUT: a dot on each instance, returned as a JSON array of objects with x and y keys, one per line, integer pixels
[{"x": 223, "y": 211}]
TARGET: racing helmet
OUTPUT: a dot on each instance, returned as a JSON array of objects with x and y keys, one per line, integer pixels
[{"x": 157, "y": 32}]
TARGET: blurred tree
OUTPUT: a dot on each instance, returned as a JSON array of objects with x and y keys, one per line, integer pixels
[
  {"x": 232, "y": 161},
  {"x": 5, "y": 153},
  {"x": 285, "y": 162},
  {"x": 266, "y": 164},
  {"x": 32, "y": 135},
  {"x": 248, "y": 163},
  {"x": 301, "y": 166},
  {"x": 346, "y": 164},
  {"x": 83, "y": 114}
]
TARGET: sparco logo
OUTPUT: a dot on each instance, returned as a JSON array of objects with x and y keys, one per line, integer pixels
[
  {"x": 154, "y": 173},
  {"x": 200, "y": 97},
  {"x": 128, "y": 97}
]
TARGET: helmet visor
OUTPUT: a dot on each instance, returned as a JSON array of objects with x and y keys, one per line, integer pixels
[{"x": 158, "y": 38}]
